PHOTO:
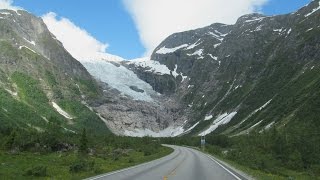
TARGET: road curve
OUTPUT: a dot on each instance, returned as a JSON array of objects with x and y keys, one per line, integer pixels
[{"x": 183, "y": 164}]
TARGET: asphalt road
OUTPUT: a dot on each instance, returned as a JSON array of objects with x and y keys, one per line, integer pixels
[{"x": 183, "y": 164}]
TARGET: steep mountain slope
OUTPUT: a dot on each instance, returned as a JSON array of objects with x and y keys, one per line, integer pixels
[
  {"x": 258, "y": 73},
  {"x": 40, "y": 82}
]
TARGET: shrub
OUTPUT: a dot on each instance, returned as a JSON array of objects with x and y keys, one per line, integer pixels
[
  {"x": 131, "y": 160},
  {"x": 38, "y": 171},
  {"x": 81, "y": 166}
]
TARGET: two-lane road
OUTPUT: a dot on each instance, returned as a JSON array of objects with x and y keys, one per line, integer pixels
[{"x": 183, "y": 164}]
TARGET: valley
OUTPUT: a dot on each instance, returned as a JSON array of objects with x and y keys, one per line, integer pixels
[{"x": 251, "y": 88}]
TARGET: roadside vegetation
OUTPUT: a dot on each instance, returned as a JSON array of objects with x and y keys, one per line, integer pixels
[
  {"x": 277, "y": 154},
  {"x": 57, "y": 155}
]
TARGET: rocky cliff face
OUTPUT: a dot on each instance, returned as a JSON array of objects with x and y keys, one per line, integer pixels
[{"x": 260, "y": 72}]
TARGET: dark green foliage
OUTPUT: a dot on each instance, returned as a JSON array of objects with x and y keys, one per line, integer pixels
[
  {"x": 51, "y": 78},
  {"x": 37, "y": 171},
  {"x": 222, "y": 141},
  {"x": 83, "y": 148},
  {"x": 81, "y": 165},
  {"x": 10, "y": 140},
  {"x": 295, "y": 148}
]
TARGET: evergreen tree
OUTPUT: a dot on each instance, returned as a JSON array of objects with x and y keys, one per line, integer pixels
[
  {"x": 10, "y": 141},
  {"x": 83, "y": 142}
]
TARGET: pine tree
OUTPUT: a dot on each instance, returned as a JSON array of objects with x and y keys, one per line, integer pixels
[
  {"x": 10, "y": 141},
  {"x": 83, "y": 142}
]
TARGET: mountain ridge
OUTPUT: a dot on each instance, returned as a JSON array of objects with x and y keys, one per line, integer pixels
[
  {"x": 233, "y": 58},
  {"x": 220, "y": 78}
]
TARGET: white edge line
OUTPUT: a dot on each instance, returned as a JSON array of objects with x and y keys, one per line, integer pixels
[
  {"x": 210, "y": 157},
  {"x": 223, "y": 167},
  {"x": 121, "y": 170}
]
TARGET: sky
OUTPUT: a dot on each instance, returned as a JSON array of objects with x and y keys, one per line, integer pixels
[{"x": 133, "y": 28}]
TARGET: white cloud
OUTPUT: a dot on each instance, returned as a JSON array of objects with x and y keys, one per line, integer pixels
[
  {"x": 78, "y": 42},
  {"x": 7, "y": 4},
  {"x": 157, "y": 19}
]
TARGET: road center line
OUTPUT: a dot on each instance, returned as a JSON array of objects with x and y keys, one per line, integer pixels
[{"x": 173, "y": 171}]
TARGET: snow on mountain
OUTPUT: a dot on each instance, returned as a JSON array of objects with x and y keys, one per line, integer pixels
[
  {"x": 198, "y": 52},
  {"x": 155, "y": 67},
  {"x": 196, "y": 124},
  {"x": 120, "y": 78},
  {"x": 208, "y": 117},
  {"x": 168, "y": 132},
  {"x": 152, "y": 66},
  {"x": 313, "y": 11},
  {"x": 222, "y": 119},
  {"x": 165, "y": 50},
  {"x": 61, "y": 111},
  {"x": 194, "y": 45}
]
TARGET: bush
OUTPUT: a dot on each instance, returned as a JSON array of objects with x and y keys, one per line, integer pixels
[
  {"x": 131, "y": 160},
  {"x": 38, "y": 171},
  {"x": 81, "y": 166}
]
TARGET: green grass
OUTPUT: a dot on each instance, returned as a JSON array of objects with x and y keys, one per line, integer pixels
[{"x": 58, "y": 164}]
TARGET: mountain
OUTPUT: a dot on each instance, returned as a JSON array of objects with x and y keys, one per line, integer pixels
[
  {"x": 40, "y": 82},
  {"x": 259, "y": 73}
]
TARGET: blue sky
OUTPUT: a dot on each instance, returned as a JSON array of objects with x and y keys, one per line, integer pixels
[{"x": 110, "y": 22}]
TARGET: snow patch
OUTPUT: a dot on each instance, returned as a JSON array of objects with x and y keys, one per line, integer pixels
[
  {"x": 255, "y": 19},
  {"x": 213, "y": 57},
  {"x": 194, "y": 45},
  {"x": 269, "y": 125},
  {"x": 61, "y": 111},
  {"x": 237, "y": 87},
  {"x": 216, "y": 45},
  {"x": 259, "y": 28},
  {"x": 222, "y": 119},
  {"x": 206, "y": 118},
  {"x": 313, "y": 11},
  {"x": 20, "y": 47},
  {"x": 5, "y": 13},
  {"x": 196, "y": 124},
  {"x": 216, "y": 36},
  {"x": 31, "y": 42},
  {"x": 255, "y": 111},
  {"x": 11, "y": 92},
  {"x": 255, "y": 125},
  {"x": 197, "y": 53},
  {"x": 155, "y": 67},
  {"x": 278, "y": 30},
  {"x": 168, "y": 132},
  {"x": 165, "y": 50},
  {"x": 309, "y": 29},
  {"x": 69, "y": 130}
]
